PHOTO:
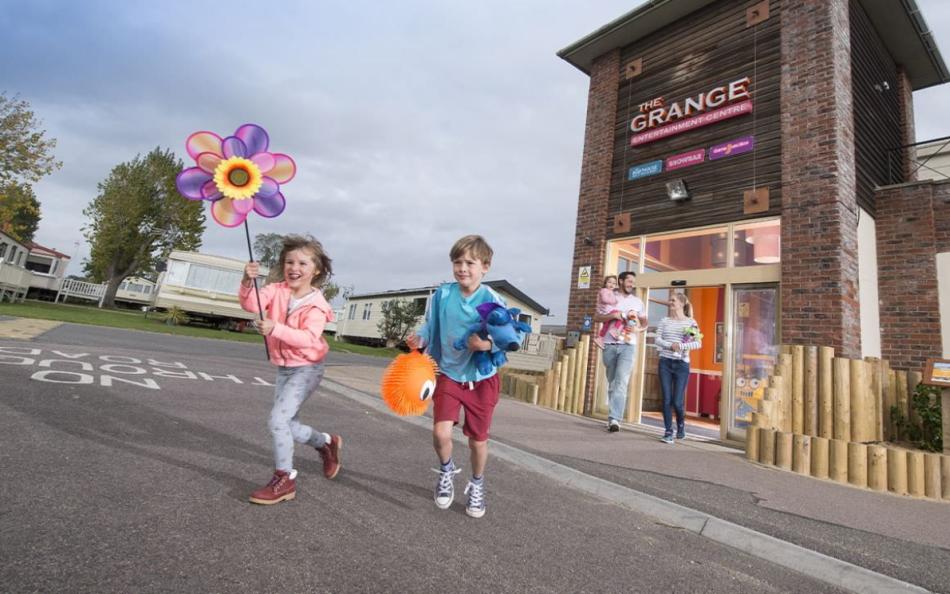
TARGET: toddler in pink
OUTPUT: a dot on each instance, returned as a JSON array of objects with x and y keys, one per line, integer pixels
[{"x": 606, "y": 304}]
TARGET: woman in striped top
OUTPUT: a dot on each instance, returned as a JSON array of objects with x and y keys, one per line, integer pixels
[{"x": 676, "y": 336}]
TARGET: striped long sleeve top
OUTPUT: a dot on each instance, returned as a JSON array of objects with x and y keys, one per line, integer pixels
[{"x": 671, "y": 331}]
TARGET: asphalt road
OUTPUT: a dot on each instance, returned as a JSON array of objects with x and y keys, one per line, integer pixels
[{"x": 126, "y": 460}]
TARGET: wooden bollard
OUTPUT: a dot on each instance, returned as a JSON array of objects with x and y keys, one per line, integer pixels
[
  {"x": 874, "y": 367},
  {"x": 842, "y": 404},
  {"x": 767, "y": 446},
  {"x": 857, "y": 464},
  {"x": 819, "y": 457},
  {"x": 785, "y": 372},
  {"x": 945, "y": 476},
  {"x": 783, "y": 450},
  {"x": 860, "y": 415},
  {"x": 533, "y": 397},
  {"x": 890, "y": 400},
  {"x": 915, "y": 474},
  {"x": 811, "y": 391},
  {"x": 798, "y": 389},
  {"x": 801, "y": 454},
  {"x": 585, "y": 360},
  {"x": 556, "y": 386},
  {"x": 571, "y": 379},
  {"x": 932, "y": 475},
  {"x": 877, "y": 467},
  {"x": 774, "y": 395},
  {"x": 562, "y": 384},
  {"x": 752, "y": 443},
  {"x": 826, "y": 356},
  {"x": 838, "y": 460},
  {"x": 897, "y": 471},
  {"x": 902, "y": 402}
]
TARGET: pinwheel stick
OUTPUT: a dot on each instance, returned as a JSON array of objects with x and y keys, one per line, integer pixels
[{"x": 260, "y": 310}]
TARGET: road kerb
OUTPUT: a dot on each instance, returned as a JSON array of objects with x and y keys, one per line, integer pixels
[{"x": 817, "y": 565}]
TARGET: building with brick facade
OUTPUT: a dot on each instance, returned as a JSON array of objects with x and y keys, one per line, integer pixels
[{"x": 759, "y": 157}]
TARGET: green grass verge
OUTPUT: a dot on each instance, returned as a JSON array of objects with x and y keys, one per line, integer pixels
[{"x": 136, "y": 320}]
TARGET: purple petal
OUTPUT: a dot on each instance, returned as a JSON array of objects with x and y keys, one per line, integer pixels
[
  {"x": 270, "y": 206},
  {"x": 254, "y": 137},
  {"x": 268, "y": 188},
  {"x": 209, "y": 191},
  {"x": 190, "y": 181},
  {"x": 233, "y": 147}
]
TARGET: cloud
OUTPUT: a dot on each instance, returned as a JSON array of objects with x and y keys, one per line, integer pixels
[{"x": 412, "y": 123}]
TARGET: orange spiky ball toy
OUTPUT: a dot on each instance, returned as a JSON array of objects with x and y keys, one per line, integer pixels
[{"x": 408, "y": 383}]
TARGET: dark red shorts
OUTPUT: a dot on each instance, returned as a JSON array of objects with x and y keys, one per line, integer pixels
[{"x": 478, "y": 401}]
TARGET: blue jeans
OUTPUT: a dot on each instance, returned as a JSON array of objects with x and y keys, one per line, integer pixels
[
  {"x": 618, "y": 361},
  {"x": 673, "y": 377}
]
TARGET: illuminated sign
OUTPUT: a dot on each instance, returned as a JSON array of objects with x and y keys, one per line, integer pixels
[
  {"x": 644, "y": 170},
  {"x": 658, "y": 120},
  {"x": 733, "y": 147},
  {"x": 685, "y": 159}
]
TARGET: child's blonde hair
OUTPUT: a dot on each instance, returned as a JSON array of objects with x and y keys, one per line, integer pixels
[
  {"x": 687, "y": 306},
  {"x": 608, "y": 277},
  {"x": 474, "y": 245},
  {"x": 320, "y": 258}
]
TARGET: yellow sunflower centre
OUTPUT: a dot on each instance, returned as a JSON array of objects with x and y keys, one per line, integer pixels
[{"x": 238, "y": 178}]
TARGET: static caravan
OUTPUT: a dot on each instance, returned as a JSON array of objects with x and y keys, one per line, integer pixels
[{"x": 204, "y": 286}]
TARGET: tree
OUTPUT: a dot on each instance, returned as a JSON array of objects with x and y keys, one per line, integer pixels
[
  {"x": 138, "y": 218},
  {"x": 19, "y": 210},
  {"x": 400, "y": 317},
  {"x": 26, "y": 154}
]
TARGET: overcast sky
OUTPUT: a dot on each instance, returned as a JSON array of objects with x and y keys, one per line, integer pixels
[{"x": 412, "y": 123}]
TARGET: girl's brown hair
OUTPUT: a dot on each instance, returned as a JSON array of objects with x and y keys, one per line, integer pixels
[
  {"x": 320, "y": 258},
  {"x": 608, "y": 277}
]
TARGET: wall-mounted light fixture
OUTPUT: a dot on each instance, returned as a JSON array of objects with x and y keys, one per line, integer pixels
[{"x": 677, "y": 190}]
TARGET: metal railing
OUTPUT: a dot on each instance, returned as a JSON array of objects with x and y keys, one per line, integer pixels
[{"x": 895, "y": 159}]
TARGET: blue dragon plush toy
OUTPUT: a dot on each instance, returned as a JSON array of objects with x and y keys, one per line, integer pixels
[{"x": 505, "y": 330}]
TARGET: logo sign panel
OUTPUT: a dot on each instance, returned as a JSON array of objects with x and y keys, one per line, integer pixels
[
  {"x": 732, "y": 148},
  {"x": 645, "y": 170},
  {"x": 685, "y": 159}
]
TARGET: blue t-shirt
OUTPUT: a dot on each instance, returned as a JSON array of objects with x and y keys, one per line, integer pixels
[{"x": 449, "y": 317}]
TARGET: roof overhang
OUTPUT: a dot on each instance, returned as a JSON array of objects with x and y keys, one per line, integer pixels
[{"x": 899, "y": 23}]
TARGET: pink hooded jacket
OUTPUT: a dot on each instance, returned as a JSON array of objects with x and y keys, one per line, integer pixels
[{"x": 297, "y": 339}]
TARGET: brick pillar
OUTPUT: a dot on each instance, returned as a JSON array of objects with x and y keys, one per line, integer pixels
[
  {"x": 590, "y": 237},
  {"x": 819, "y": 208},
  {"x": 907, "y": 245},
  {"x": 905, "y": 94}
]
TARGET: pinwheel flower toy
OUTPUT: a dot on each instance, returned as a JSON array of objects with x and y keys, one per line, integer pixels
[
  {"x": 691, "y": 334},
  {"x": 236, "y": 174}
]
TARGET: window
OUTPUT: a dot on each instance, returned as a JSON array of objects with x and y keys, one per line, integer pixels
[
  {"x": 3, "y": 250},
  {"x": 420, "y": 305},
  {"x": 758, "y": 243},
  {"x": 688, "y": 250},
  {"x": 207, "y": 278},
  {"x": 41, "y": 265},
  {"x": 352, "y": 314},
  {"x": 367, "y": 310}
]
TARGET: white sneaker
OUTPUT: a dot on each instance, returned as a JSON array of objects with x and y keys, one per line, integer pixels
[
  {"x": 445, "y": 488},
  {"x": 476, "y": 499}
]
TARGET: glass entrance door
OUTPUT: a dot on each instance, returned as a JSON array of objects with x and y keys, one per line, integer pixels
[
  {"x": 704, "y": 387},
  {"x": 755, "y": 350}
]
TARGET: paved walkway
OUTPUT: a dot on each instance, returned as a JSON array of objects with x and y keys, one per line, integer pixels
[
  {"x": 24, "y": 328},
  {"x": 902, "y": 537}
]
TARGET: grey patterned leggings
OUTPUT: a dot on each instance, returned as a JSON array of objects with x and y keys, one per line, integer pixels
[{"x": 294, "y": 385}]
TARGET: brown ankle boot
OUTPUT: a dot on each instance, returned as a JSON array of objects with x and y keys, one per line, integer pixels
[
  {"x": 282, "y": 487},
  {"x": 331, "y": 456}
]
